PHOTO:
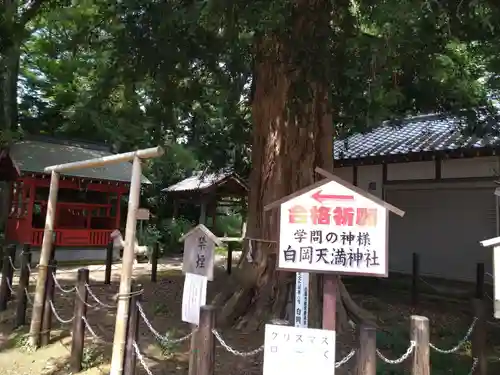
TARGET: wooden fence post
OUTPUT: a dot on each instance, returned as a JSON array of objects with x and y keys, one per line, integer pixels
[
  {"x": 415, "y": 278},
  {"x": 47, "y": 309},
  {"x": 205, "y": 342},
  {"x": 81, "y": 297},
  {"x": 12, "y": 256},
  {"x": 154, "y": 262},
  {"x": 4, "y": 286},
  {"x": 421, "y": 352},
  {"x": 366, "y": 356},
  {"x": 229, "y": 257},
  {"x": 132, "y": 334},
  {"x": 109, "y": 263},
  {"x": 479, "y": 281},
  {"x": 479, "y": 338},
  {"x": 22, "y": 289}
]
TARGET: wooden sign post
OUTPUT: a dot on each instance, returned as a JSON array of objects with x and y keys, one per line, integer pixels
[
  {"x": 495, "y": 243},
  {"x": 128, "y": 253},
  {"x": 198, "y": 266},
  {"x": 333, "y": 228}
]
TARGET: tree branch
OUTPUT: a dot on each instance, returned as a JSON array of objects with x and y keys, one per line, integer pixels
[{"x": 30, "y": 12}]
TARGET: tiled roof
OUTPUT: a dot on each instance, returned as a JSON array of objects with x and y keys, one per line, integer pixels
[
  {"x": 202, "y": 180},
  {"x": 35, "y": 155},
  {"x": 418, "y": 134}
]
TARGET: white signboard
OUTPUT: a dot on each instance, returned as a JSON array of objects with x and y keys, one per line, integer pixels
[
  {"x": 194, "y": 296},
  {"x": 298, "y": 351},
  {"x": 199, "y": 252},
  {"x": 301, "y": 299},
  {"x": 332, "y": 228}
]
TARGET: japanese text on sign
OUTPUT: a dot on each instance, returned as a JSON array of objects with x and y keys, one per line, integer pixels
[
  {"x": 341, "y": 232},
  {"x": 199, "y": 254},
  {"x": 293, "y": 350}
]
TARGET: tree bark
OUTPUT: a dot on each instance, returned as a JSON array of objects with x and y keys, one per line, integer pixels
[{"x": 292, "y": 134}]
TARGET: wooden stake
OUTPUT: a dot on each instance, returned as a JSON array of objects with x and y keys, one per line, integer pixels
[
  {"x": 479, "y": 338},
  {"x": 117, "y": 358},
  {"x": 22, "y": 289},
  {"x": 205, "y": 342},
  {"x": 366, "y": 355},
  {"x": 81, "y": 297},
  {"x": 329, "y": 301},
  {"x": 109, "y": 263},
  {"x": 154, "y": 262},
  {"x": 45, "y": 254},
  {"x": 479, "y": 281},
  {"x": 420, "y": 334},
  {"x": 4, "y": 286},
  {"x": 229, "y": 257},
  {"x": 47, "y": 309},
  {"x": 193, "y": 351},
  {"x": 132, "y": 335}
]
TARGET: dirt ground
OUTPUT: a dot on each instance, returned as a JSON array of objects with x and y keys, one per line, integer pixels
[{"x": 162, "y": 305}]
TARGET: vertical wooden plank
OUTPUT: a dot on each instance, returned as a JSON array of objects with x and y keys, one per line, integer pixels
[
  {"x": 205, "y": 340},
  {"x": 154, "y": 262},
  {"x": 24, "y": 279},
  {"x": 109, "y": 263},
  {"x": 329, "y": 301},
  {"x": 479, "y": 338},
  {"x": 421, "y": 353},
  {"x": 415, "y": 278},
  {"x": 4, "y": 286},
  {"x": 38, "y": 304},
  {"x": 126, "y": 274},
  {"x": 193, "y": 351},
  {"x": 81, "y": 298},
  {"x": 47, "y": 310},
  {"x": 132, "y": 335},
  {"x": 366, "y": 357},
  {"x": 229, "y": 257}
]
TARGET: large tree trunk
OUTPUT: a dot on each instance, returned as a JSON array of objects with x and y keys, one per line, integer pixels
[{"x": 292, "y": 134}]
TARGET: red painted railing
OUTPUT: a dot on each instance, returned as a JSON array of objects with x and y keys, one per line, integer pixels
[{"x": 74, "y": 237}]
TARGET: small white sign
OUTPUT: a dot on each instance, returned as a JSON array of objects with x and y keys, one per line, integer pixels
[
  {"x": 194, "y": 296},
  {"x": 199, "y": 251},
  {"x": 142, "y": 214},
  {"x": 298, "y": 351},
  {"x": 301, "y": 299},
  {"x": 332, "y": 228}
]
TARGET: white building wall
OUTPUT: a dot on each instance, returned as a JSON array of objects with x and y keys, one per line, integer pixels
[
  {"x": 475, "y": 167},
  {"x": 420, "y": 170},
  {"x": 370, "y": 179}
]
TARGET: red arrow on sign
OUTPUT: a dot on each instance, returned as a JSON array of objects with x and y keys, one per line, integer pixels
[{"x": 334, "y": 197}]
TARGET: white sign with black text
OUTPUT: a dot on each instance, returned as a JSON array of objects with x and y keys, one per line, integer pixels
[
  {"x": 301, "y": 299},
  {"x": 298, "y": 351},
  {"x": 194, "y": 296}
]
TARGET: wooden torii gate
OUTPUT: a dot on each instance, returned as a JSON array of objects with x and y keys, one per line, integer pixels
[{"x": 128, "y": 252}]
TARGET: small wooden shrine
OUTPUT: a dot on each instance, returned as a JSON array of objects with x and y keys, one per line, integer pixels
[{"x": 88, "y": 207}]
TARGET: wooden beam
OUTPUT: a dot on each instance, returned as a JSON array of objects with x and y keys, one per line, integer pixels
[{"x": 99, "y": 162}]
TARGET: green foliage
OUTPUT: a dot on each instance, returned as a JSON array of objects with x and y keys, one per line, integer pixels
[{"x": 173, "y": 230}]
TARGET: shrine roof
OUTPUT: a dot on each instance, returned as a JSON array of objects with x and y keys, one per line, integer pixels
[
  {"x": 202, "y": 180},
  {"x": 33, "y": 155},
  {"x": 415, "y": 135}
]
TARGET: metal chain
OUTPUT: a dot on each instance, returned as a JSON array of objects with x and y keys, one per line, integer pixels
[
  {"x": 28, "y": 298},
  {"x": 99, "y": 302},
  {"x": 474, "y": 365},
  {"x": 346, "y": 359},
  {"x": 400, "y": 359},
  {"x": 9, "y": 285},
  {"x": 61, "y": 320},
  {"x": 141, "y": 358},
  {"x": 460, "y": 343},
  {"x": 233, "y": 351},
  {"x": 12, "y": 265},
  {"x": 56, "y": 283},
  {"x": 156, "y": 334},
  {"x": 91, "y": 330}
]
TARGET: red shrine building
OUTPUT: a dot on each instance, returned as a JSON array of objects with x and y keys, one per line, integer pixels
[{"x": 88, "y": 207}]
